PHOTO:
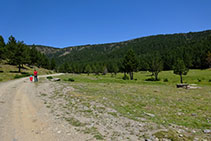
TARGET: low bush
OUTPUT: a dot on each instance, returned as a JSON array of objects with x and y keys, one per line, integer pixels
[
  {"x": 24, "y": 73},
  {"x": 71, "y": 79},
  {"x": 125, "y": 77},
  {"x": 21, "y": 75},
  {"x": 165, "y": 80},
  {"x": 49, "y": 77},
  {"x": 151, "y": 79}
]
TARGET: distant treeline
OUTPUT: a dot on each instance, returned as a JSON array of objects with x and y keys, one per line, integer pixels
[
  {"x": 17, "y": 53},
  {"x": 193, "y": 48}
]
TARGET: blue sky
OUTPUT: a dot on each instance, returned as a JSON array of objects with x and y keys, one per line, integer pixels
[{"x": 62, "y": 23}]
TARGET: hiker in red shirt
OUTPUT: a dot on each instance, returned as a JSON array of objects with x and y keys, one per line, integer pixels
[{"x": 35, "y": 76}]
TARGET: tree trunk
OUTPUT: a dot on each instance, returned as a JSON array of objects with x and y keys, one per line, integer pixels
[
  {"x": 156, "y": 76},
  {"x": 181, "y": 78},
  {"x": 19, "y": 68},
  {"x": 131, "y": 75}
]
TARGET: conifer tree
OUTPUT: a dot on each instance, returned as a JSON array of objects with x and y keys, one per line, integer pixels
[
  {"x": 11, "y": 49},
  {"x": 115, "y": 69},
  {"x": 53, "y": 64},
  {"x": 130, "y": 63},
  {"x": 2, "y": 48},
  {"x": 180, "y": 69},
  {"x": 88, "y": 69},
  {"x": 155, "y": 64},
  {"x": 19, "y": 53}
]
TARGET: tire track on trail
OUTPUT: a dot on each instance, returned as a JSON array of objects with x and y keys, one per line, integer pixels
[
  {"x": 21, "y": 118},
  {"x": 27, "y": 123}
]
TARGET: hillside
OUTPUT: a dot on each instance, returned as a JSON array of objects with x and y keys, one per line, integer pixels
[
  {"x": 9, "y": 72},
  {"x": 193, "y": 46}
]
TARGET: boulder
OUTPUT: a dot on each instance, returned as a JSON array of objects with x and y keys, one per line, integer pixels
[
  {"x": 55, "y": 79},
  {"x": 182, "y": 86}
]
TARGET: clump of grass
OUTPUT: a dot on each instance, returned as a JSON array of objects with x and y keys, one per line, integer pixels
[
  {"x": 43, "y": 94},
  {"x": 113, "y": 114},
  {"x": 98, "y": 137},
  {"x": 74, "y": 122},
  {"x": 171, "y": 135},
  {"x": 93, "y": 131}
]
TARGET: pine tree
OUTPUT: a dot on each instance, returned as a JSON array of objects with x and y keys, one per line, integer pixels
[
  {"x": 2, "y": 48},
  {"x": 105, "y": 70},
  {"x": 180, "y": 69},
  {"x": 88, "y": 69},
  {"x": 53, "y": 64},
  {"x": 115, "y": 69},
  {"x": 19, "y": 54},
  {"x": 130, "y": 63},
  {"x": 155, "y": 64},
  {"x": 10, "y": 49},
  {"x": 34, "y": 55},
  {"x": 209, "y": 59}
]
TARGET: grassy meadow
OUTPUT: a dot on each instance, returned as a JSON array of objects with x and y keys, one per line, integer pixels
[
  {"x": 157, "y": 101},
  {"x": 9, "y": 72}
]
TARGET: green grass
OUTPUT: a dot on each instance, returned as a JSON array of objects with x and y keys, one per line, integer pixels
[
  {"x": 94, "y": 132},
  {"x": 74, "y": 122},
  {"x": 171, "y": 135},
  {"x": 192, "y": 77},
  {"x": 133, "y": 99},
  {"x": 10, "y": 72}
]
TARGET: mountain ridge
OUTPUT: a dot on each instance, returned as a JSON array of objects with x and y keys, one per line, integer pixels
[
  {"x": 39, "y": 47},
  {"x": 169, "y": 46}
]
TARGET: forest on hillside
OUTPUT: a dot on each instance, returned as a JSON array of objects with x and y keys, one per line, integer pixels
[{"x": 193, "y": 48}]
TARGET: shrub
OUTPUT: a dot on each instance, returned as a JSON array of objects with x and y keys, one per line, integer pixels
[
  {"x": 125, "y": 77},
  {"x": 49, "y": 77},
  {"x": 165, "y": 80},
  {"x": 21, "y": 75},
  {"x": 25, "y": 73},
  {"x": 152, "y": 79},
  {"x": 71, "y": 79}
]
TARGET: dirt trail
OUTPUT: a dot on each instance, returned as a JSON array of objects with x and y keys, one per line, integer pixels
[{"x": 22, "y": 114}]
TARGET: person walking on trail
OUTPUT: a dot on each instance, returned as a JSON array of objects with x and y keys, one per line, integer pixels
[{"x": 35, "y": 76}]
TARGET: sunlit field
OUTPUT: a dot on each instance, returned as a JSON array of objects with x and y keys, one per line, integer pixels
[{"x": 138, "y": 98}]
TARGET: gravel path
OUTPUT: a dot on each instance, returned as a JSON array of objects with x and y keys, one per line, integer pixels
[{"x": 24, "y": 117}]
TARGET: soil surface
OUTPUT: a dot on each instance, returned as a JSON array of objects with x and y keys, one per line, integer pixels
[{"x": 24, "y": 116}]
